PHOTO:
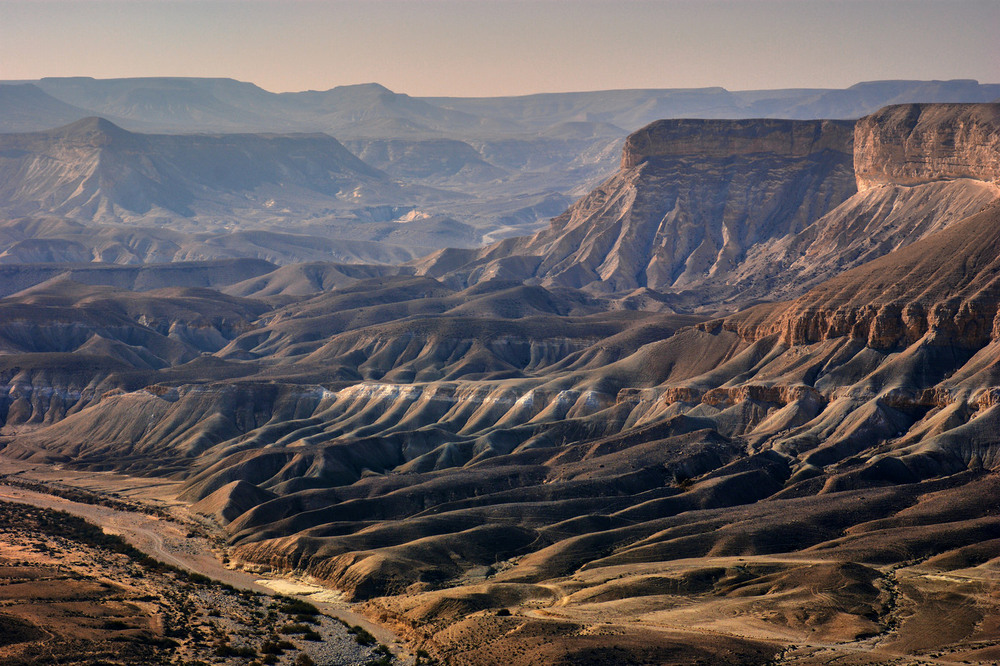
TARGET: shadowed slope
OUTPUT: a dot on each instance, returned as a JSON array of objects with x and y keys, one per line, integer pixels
[{"x": 58, "y": 240}]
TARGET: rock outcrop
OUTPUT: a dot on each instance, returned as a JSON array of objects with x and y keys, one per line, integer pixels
[
  {"x": 911, "y": 144},
  {"x": 943, "y": 286},
  {"x": 94, "y": 170},
  {"x": 725, "y": 139}
]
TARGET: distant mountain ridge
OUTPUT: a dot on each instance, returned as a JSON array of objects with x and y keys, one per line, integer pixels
[{"x": 372, "y": 110}]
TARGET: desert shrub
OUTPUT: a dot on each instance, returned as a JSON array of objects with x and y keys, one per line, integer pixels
[
  {"x": 291, "y": 606},
  {"x": 424, "y": 658},
  {"x": 226, "y": 650},
  {"x": 361, "y": 635},
  {"x": 384, "y": 657},
  {"x": 275, "y": 646},
  {"x": 199, "y": 579}
]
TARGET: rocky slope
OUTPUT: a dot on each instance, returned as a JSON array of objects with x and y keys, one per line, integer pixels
[
  {"x": 943, "y": 287},
  {"x": 689, "y": 201}
]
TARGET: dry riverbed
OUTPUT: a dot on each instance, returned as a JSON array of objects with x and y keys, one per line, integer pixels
[{"x": 217, "y": 615}]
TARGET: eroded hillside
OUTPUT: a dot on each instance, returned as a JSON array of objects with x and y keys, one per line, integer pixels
[{"x": 531, "y": 451}]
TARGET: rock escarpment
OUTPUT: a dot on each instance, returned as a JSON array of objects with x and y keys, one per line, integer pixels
[
  {"x": 945, "y": 285},
  {"x": 911, "y": 144},
  {"x": 731, "y": 138}
]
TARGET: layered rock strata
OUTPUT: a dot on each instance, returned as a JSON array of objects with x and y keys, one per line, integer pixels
[{"x": 911, "y": 144}]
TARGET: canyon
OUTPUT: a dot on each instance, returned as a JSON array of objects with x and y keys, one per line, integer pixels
[{"x": 757, "y": 361}]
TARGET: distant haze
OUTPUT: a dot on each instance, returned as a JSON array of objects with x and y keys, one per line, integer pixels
[{"x": 505, "y": 47}]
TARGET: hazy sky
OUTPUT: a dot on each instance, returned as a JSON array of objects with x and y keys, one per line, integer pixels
[{"x": 505, "y": 47}]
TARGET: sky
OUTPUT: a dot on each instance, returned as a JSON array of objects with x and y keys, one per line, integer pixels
[{"x": 482, "y": 48}]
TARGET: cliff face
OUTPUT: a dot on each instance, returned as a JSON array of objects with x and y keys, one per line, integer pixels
[
  {"x": 724, "y": 139},
  {"x": 917, "y": 143}
]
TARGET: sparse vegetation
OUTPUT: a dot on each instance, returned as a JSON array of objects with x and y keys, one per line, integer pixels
[
  {"x": 276, "y": 645},
  {"x": 84, "y": 497},
  {"x": 225, "y": 650},
  {"x": 361, "y": 635},
  {"x": 293, "y": 606},
  {"x": 295, "y": 628}
]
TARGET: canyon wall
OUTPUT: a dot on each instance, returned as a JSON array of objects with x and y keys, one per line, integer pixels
[
  {"x": 910, "y": 144},
  {"x": 729, "y": 138}
]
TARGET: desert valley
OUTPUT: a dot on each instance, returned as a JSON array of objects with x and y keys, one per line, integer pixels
[{"x": 684, "y": 376}]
